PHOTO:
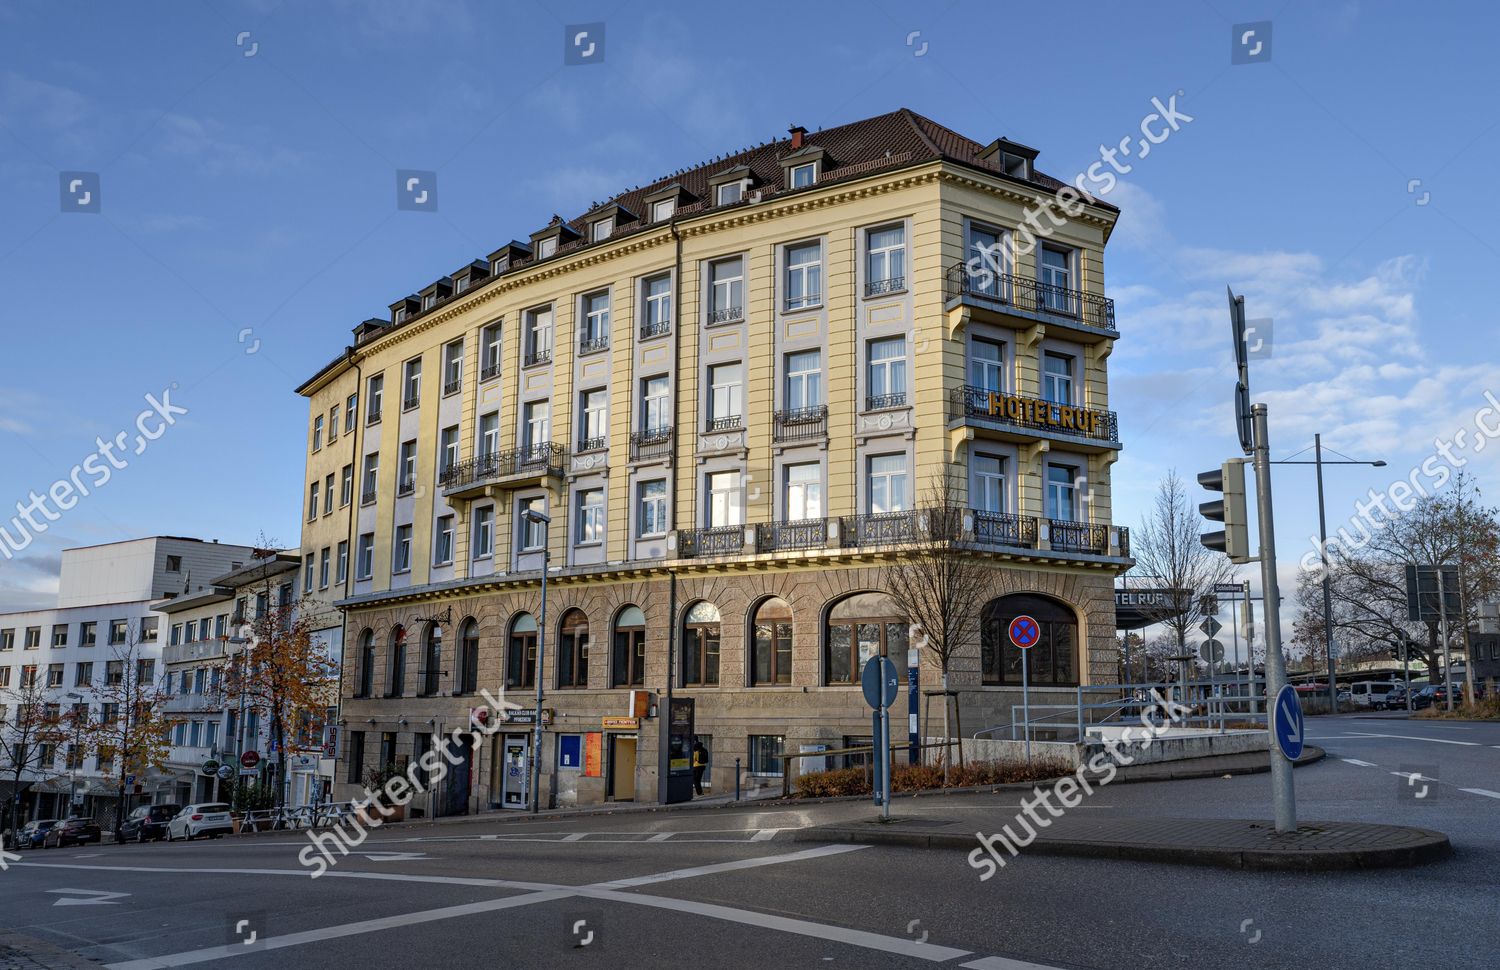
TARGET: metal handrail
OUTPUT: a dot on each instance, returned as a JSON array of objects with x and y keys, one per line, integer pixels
[
  {"x": 1031, "y": 295},
  {"x": 1033, "y": 413}
]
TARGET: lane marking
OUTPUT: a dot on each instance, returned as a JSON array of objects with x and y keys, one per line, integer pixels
[
  {"x": 1004, "y": 963},
  {"x": 1412, "y": 737},
  {"x": 1357, "y": 762},
  {"x": 764, "y": 835},
  {"x": 307, "y": 874},
  {"x": 1482, "y": 791},
  {"x": 575, "y": 837},
  {"x": 718, "y": 867},
  {"x": 661, "y": 836}
]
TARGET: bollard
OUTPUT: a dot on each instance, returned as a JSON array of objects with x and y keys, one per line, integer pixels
[{"x": 736, "y": 779}]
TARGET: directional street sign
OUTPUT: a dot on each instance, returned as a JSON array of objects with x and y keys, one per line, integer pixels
[
  {"x": 1210, "y": 627},
  {"x": 1286, "y": 722},
  {"x": 1228, "y": 588},
  {"x": 1212, "y": 651},
  {"x": 1024, "y": 632}
]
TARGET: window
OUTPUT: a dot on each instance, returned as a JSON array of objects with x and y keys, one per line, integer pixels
[
  {"x": 590, "y": 524},
  {"x": 4, "y": 678},
  {"x": 772, "y": 659},
  {"x": 700, "y": 646},
  {"x": 601, "y": 229},
  {"x": 221, "y": 625},
  {"x": 662, "y": 209},
  {"x": 317, "y": 437},
  {"x": 988, "y": 261},
  {"x": 406, "y": 468},
  {"x": 453, "y": 367},
  {"x": 442, "y": 549},
  {"x": 365, "y": 567},
  {"x": 593, "y": 420},
  {"x": 573, "y": 650},
  {"x": 726, "y": 403},
  {"x": 804, "y": 275},
  {"x": 887, "y": 484},
  {"x": 312, "y": 501},
  {"x": 765, "y": 754},
  {"x": 658, "y": 305},
  {"x": 88, "y": 634},
  {"x": 432, "y": 661},
  {"x": 342, "y": 573},
  {"x": 887, "y": 373},
  {"x": 325, "y": 560},
  {"x": 533, "y": 533},
  {"x": 1062, "y": 492},
  {"x": 726, "y": 289},
  {"x": 1056, "y": 278},
  {"x": 651, "y": 509},
  {"x": 537, "y": 331},
  {"x": 328, "y": 494},
  {"x": 729, "y": 193},
  {"x": 656, "y": 405},
  {"x": 1057, "y": 377},
  {"x": 397, "y": 681},
  {"x": 447, "y": 449},
  {"x": 723, "y": 501},
  {"x": 119, "y": 631},
  {"x": 411, "y": 384},
  {"x": 468, "y": 658},
  {"x": 804, "y": 175},
  {"x": 346, "y": 486},
  {"x": 7, "y": 639},
  {"x": 594, "y": 334},
  {"x": 987, "y": 490},
  {"x": 862, "y": 626},
  {"x": 28, "y": 676},
  {"x": 484, "y": 531},
  {"x": 375, "y": 391},
  {"x": 33, "y": 638},
  {"x": 333, "y": 424},
  {"x": 628, "y": 662},
  {"x": 804, "y": 380},
  {"x": 174, "y": 564},
  {"x": 1053, "y": 660},
  {"x": 114, "y": 673},
  {"x": 83, "y": 674},
  {"x": 802, "y": 491},
  {"x": 195, "y": 734},
  {"x": 489, "y": 352},
  {"x": 536, "y": 418},
  {"x": 307, "y": 585},
  {"x": 885, "y": 260},
  {"x": 351, "y": 408},
  {"x": 401, "y": 554},
  {"x": 987, "y": 365},
  {"x": 365, "y": 686},
  {"x": 489, "y": 434},
  {"x": 520, "y": 653},
  {"x": 546, "y": 247},
  {"x": 54, "y": 675},
  {"x": 371, "y": 477},
  {"x": 59, "y": 635}
]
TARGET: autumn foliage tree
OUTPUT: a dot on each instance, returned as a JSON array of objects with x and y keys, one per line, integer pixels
[
  {"x": 24, "y": 737},
  {"x": 132, "y": 733}
]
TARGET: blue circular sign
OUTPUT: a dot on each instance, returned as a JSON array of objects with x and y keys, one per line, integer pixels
[
  {"x": 1024, "y": 632},
  {"x": 1286, "y": 722}
]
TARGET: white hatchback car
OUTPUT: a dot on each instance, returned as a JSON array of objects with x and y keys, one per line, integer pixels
[{"x": 210, "y": 818}]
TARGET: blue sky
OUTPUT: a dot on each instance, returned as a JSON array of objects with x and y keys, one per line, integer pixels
[{"x": 248, "y": 203}]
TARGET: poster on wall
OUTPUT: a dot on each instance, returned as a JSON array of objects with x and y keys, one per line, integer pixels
[{"x": 593, "y": 754}]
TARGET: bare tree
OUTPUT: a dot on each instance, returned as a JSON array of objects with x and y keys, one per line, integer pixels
[
  {"x": 132, "y": 731},
  {"x": 24, "y": 739},
  {"x": 1168, "y": 548},
  {"x": 940, "y": 586}
]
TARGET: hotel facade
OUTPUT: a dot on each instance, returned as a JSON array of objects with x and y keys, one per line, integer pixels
[{"x": 725, "y": 398}]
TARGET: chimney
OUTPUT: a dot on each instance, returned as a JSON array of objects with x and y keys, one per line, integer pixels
[{"x": 798, "y": 133}]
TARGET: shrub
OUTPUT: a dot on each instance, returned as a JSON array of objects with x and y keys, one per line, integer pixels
[{"x": 927, "y": 777}]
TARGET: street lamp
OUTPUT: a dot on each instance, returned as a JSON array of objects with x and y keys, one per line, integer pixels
[
  {"x": 239, "y": 725},
  {"x": 1333, "y": 689},
  {"x": 544, "y": 520},
  {"x": 72, "y": 756}
]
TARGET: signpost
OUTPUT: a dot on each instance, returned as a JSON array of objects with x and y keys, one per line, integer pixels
[
  {"x": 1024, "y": 631},
  {"x": 249, "y": 759},
  {"x": 913, "y": 697},
  {"x": 1210, "y": 627},
  {"x": 1212, "y": 651},
  {"x": 1286, "y": 723},
  {"x": 879, "y": 682}
]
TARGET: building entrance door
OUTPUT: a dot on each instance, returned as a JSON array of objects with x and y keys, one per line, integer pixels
[
  {"x": 622, "y": 767},
  {"x": 515, "y": 771}
]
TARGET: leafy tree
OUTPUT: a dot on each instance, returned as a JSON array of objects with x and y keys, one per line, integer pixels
[{"x": 131, "y": 734}]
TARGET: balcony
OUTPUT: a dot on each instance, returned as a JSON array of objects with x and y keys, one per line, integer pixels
[
  {"x": 1003, "y": 529},
  {"x": 489, "y": 371},
  {"x": 410, "y": 403},
  {"x": 881, "y": 528},
  {"x": 728, "y": 540},
  {"x": 658, "y": 328},
  {"x": 536, "y": 357},
  {"x": 406, "y": 486},
  {"x": 1032, "y": 299},
  {"x": 800, "y": 424},
  {"x": 726, "y": 314},
  {"x": 653, "y": 444},
  {"x": 893, "y": 285},
  {"x": 592, "y": 345},
  {"x": 592, "y": 444},
  {"x": 1094, "y": 430},
  {"x": 791, "y": 535},
  {"x": 727, "y": 422},
  {"x": 880, "y": 402},
  {"x": 507, "y": 469},
  {"x": 1066, "y": 536},
  {"x": 453, "y": 387}
]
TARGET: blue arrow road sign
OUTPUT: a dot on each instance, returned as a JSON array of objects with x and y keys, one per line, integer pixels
[
  {"x": 879, "y": 673},
  {"x": 1286, "y": 722}
]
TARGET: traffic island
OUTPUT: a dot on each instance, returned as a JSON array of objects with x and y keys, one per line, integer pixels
[{"x": 1225, "y": 843}]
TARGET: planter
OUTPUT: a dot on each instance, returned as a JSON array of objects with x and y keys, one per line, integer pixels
[
  {"x": 376, "y": 814},
  {"x": 235, "y": 822}
]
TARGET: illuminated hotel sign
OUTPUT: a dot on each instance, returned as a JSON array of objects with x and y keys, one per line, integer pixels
[{"x": 1038, "y": 413}]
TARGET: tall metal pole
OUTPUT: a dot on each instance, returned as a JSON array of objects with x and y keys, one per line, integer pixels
[
  {"x": 541, "y": 653},
  {"x": 1333, "y": 690},
  {"x": 1443, "y": 626},
  {"x": 1283, "y": 795},
  {"x": 1234, "y": 629}
]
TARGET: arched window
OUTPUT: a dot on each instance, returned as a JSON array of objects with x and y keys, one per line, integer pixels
[
  {"x": 432, "y": 660},
  {"x": 397, "y": 682},
  {"x": 772, "y": 660},
  {"x": 700, "y": 646},
  {"x": 573, "y": 650},
  {"x": 1054, "y": 659},
  {"x": 628, "y": 663},
  {"x": 520, "y": 653},
  {"x": 862, "y": 626},
  {"x": 366, "y": 685},
  {"x": 468, "y": 657}
]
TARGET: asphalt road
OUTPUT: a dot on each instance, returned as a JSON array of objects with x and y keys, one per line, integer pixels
[{"x": 720, "y": 888}]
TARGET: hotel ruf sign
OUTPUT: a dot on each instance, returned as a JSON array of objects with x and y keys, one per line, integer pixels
[{"x": 1030, "y": 411}]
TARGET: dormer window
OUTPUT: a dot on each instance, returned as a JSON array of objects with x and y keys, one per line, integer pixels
[
  {"x": 401, "y": 314},
  {"x": 602, "y": 229},
  {"x": 803, "y": 175},
  {"x": 1016, "y": 166},
  {"x": 429, "y": 301},
  {"x": 460, "y": 284},
  {"x": 500, "y": 265},
  {"x": 729, "y": 193},
  {"x": 663, "y": 209},
  {"x": 546, "y": 247}
]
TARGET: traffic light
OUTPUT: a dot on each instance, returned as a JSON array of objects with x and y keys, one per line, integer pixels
[{"x": 1234, "y": 540}]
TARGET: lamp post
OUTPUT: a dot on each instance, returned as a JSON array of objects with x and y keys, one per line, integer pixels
[
  {"x": 239, "y": 725},
  {"x": 544, "y": 520},
  {"x": 1333, "y": 687},
  {"x": 72, "y": 758}
]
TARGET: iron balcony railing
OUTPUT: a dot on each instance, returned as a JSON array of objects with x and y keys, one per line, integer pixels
[
  {"x": 656, "y": 328},
  {"x": 589, "y": 345},
  {"x": 876, "y": 287},
  {"x": 1033, "y": 296},
  {"x": 534, "y": 357},
  {"x": 1004, "y": 529},
  {"x": 1068, "y": 536},
  {"x": 409, "y": 403},
  {"x": 543, "y": 459},
  {"x": 729, "y": 422},
  {"x": 724, "y": 540},
  {"x": 805, "y": 302},
  {"x": 800, "y": 424},
  {"x": 1032, "y": 412},
  {"x": 406, "y": 485},
  {"x": 726, "y": 314},
  {"x": 372, "y": 416},
  {"x": 791, "y": 534},
  {"x": 876, "y": 402},
  {"x": 453, "y": 386},
  {"x": 880, "y": 528},
  {"x": 651, "y": 444},
  {"x": 592, "y": 444},
  {"x": 489, "y": 371}
]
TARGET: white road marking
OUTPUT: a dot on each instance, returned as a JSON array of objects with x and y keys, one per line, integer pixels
[
  {"x": 393, "y": 856},
  {"x": 1004, "y": 963},
  {"x": 1482, "y": 791},
  {"x": 92, "y": 897},
  {"x": 307, "y": 874},
  {"x": 764, "y": 835},
  {"x": 575, "y": 837},
  {"x": 1357, "y": 762},
  {"x": 709, "y": 870},
  {"x": 661, "y": 837},
  {"x": 1412, "y": 737}
]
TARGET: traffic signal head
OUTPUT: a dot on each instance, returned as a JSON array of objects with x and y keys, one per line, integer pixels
[{"x": 1234, "y": 540}]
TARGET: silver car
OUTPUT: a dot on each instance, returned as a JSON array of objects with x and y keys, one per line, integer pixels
[{"x": 209, "y": 818}]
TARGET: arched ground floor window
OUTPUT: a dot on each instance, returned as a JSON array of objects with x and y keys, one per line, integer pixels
[{"x": 1053, "y": 661}]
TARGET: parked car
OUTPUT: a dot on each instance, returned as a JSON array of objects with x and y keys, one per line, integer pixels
[
  {"x": 209, "y": 818},
  {"x": 34, "y": 832},
  {"x": 73, "y": 831},
  {"x": 1392, "y": 700},
  {"x": 1425, "y": 697},
  {"x": 148, "y": 823},
  {"x": 1346, "y": 696}
]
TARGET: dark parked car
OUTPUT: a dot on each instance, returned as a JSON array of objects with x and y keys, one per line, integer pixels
[
  {"x": 33, "y": 832},
  {"x": 1393, "y": 700},
  {"x": 1425, "y": 697},
  {"x": 73, "y": 831},
  {"x": 148, "y": 823}
]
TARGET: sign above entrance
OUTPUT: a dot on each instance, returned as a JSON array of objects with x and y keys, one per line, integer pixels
[
  {"x": 620, "y": 723},
  {"x": 528, "y": 717},
  {"x": 1143, "y": 606}
]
